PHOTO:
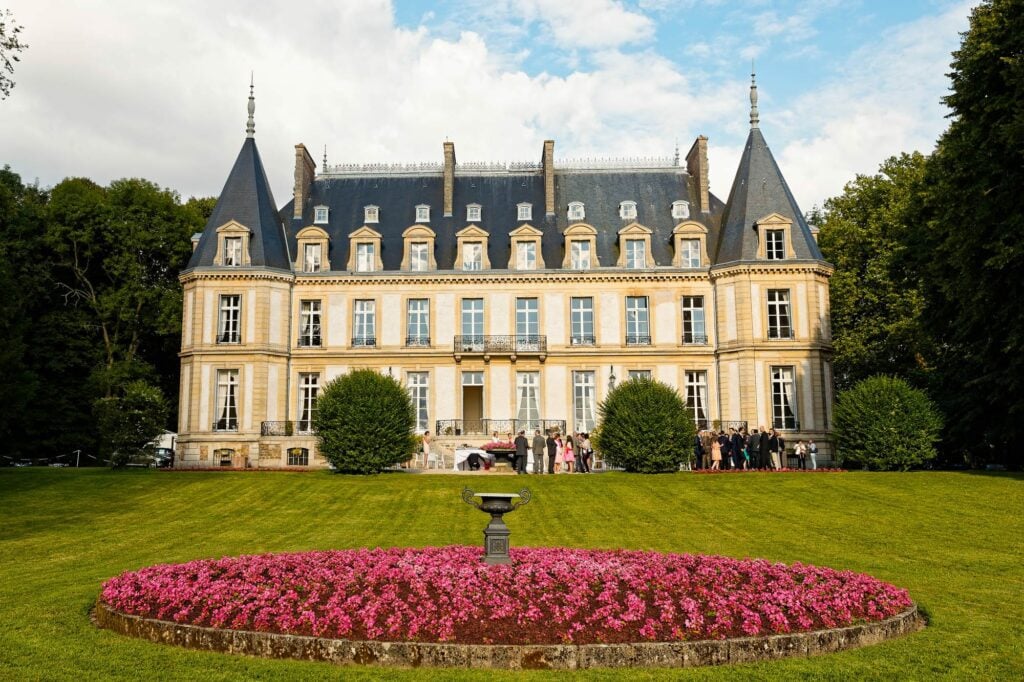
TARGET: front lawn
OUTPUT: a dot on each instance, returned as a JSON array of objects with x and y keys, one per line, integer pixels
[{"x": 955, "y": 540}]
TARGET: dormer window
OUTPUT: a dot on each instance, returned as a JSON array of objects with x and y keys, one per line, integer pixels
[
  {"x": 627, "y": 210},
  {"x": 636, "y": 253},
  {"x": 311, "y": 254},
  {"x": 526, "y": 256},
  {"x": 775, "y": 244},
  {"x": 775, "y": 237},
  {"x": 576, "y": 210},
  {"x": 472, "y": 249},
  {"x": 232, "y": 251},
  {"x": 680, "y": 210},
  {"x": 419, "y": 258},
  {"x": 366, "y": 258},
  {"x": 312, "y": 257},
  {"x": 525, "y": 211},
  {"x": 635, "y": 247},
  {"x": 419, "y": 249},
  {"x": 320, "y": 214},
  {"x": 581, "y": 247},
  {"x": 473, "y": 213},
  {"x": 364, "y": 250},
  {"x": 472, "y": 256},
  {"x": 371, "y": 214},
  {"x": 423, "y": 213}
]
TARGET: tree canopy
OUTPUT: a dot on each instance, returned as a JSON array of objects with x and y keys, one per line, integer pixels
[{"x": 10, "y": 46}]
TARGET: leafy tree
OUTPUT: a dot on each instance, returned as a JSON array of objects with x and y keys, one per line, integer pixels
[
  {"x": 365, "y": 422},
  {"x": 130, "y": 421},
  {"x": 876, "y": 303},
  {"x": 970, "y": 252},
  {"x": 10, "y": 45},
  {"x": 645, "y": 427},
  {"x": 883, "y": 423}
]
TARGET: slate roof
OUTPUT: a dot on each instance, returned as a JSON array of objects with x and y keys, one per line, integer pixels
[
  {"x": 757, "y": 191},
  {"x": 247, "y": 199},
  {"x": 499, "y": 194}
]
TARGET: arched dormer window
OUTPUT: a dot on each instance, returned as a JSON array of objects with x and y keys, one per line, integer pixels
[
  {"x": 576, "y": 212},
  {"x": 232, "y": 245},
  {"x": 689, "y": 240},
  {"x": 627, "y": 210},
  {"x": 418, "y": 253},
  {"x": 580, "y": 247},
  {"x": 680, "y": 210},
  {"x": 312, "y": 244}
]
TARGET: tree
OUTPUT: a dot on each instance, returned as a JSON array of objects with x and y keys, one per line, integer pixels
[
  {"x": 970, "y": 251},
  {"x": 876, "y": 303},
  {"x": 364, "y": 421},
  {"x": 645, "y": 427},
  {"x": 10, "y": 45},
  {"x": 130, "y": 421},
  {"x": 883, "y": 423}
]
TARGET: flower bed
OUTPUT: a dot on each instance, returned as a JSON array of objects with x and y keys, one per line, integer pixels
[
  {"x": 546, "y": 596},
  {"x": 787, "y": 470}
]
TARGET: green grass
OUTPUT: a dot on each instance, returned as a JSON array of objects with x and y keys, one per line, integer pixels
[{"x": 956, "y": 541}]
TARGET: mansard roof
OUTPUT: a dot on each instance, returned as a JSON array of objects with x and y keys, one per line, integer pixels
[
  {"x": 758, "y": 191},
  {"x": 499, "y": 194},
  {"x": 246, "y": 199}
]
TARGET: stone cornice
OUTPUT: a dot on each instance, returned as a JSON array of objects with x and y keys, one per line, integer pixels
[
  {"x": 786, "y": 267},
  {"x": 448, "y": 277},
  {"x": 222, "y": 274}
]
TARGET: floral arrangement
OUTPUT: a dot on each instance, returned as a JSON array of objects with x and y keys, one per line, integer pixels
[
  {"x": 784, "y": 470},
  {"x": 498, "y": 445},
  {"x": 545, "y": 596}
]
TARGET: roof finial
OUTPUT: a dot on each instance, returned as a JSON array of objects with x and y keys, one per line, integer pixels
[
  {"x": 754, "y": 119},
  {"x": 250, "y": 126},
  {"x": 675, "y": 160},
  {"x": 325, "y": 158}
]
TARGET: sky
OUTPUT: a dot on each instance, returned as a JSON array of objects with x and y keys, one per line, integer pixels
[{"x": 158, "y": 90}]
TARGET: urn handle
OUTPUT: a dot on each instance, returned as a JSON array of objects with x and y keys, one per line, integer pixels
[
  {"x": 468, "y": 496},
  {"x": 524, "y": 498}
]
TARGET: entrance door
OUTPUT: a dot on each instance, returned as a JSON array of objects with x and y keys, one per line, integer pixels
[{"x": 473, "y": 402}]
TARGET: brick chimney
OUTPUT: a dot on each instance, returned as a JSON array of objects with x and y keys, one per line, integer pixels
[
  {"x": 548, "y": 162},
  {"x": 449, "y": 178},
  {"x": 305, "y": 171},
  {"x": 697, "y": 167}
]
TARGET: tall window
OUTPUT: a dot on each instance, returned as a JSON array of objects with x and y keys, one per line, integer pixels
[
  {"x": 309, "y": 387},
  {"x": 579, "y": 254},
  {"x": 583, "y": 401},
  {"x": 418, "y": 385},
  {"x": 473, "y": 213},
  {"x": 419, "y": 260},
  {"x": 783, "y": 398},
  {"x": 779, "y": 321},
  {"x": 233, "y": 251},
  {"x": 526, "y": 255},
  {"x": 636, "y": 253},
  {"x": 638, "y": 326},
  {"x": 581, "y": 319},
  {"x": 472, "y": 256},
  {"x": 366, "y": 260},
  {"x": 697, "y": 397},
  {"x": 312, "y": 257},
  {"x": 227, "y": 400},
  {"x": 693, "y": 320},
  {"x": 627, "y": 210},
  {"x": 364, "y": 323},
  {"x": 576, "y": 211},
  {"x": 775, "y": 244},
  {"x": 418, "y": 322},
  {"x": 527, "y": 324},
  {"x": 527, "y": 391},
  {"x": 473, "y": 324},
  {"x": 690, "y": 256},
  {"x": 525, "y": 211},
  {"x": 228, "y": 324},
  {"x": 309, "y": 323}
]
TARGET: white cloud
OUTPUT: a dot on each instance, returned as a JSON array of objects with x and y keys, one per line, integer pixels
[{"x": 588, "y": 24}]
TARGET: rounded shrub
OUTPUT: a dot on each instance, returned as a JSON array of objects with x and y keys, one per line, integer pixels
[
  {"x": 885, "y": 424},
  {"x": 365, "y": 422},
  {"x": 645, "y": 427}
]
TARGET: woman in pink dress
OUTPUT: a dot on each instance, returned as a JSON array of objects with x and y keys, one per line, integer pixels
[
  {"x": 569, "y": 454},
  {"x": 559, "y": 453}
]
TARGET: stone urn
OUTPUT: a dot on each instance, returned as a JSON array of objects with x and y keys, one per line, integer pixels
[{"x": 496, "y": 533}]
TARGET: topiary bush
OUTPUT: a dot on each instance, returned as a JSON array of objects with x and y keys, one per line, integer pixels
[
  {"x": 645, "y": 427},
  {"x": 885, "y": 424},
  {"x": 365, "y": 422}
]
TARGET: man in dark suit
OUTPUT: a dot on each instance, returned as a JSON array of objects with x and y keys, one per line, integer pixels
[
  {"x": 552, "y": 447},
  {"x": 698, "y": 451},
  {"x": 766, "y": 458},
  {"x": 538, "y": 453},
  {"x": 736, "y": 440},
  {"x": 521, "y": 446},
  {"x": 754, "y": 449}
]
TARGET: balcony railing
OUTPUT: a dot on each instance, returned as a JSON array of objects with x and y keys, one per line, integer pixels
[
  {"x": 582, "y": 340},
  {"x": 486, "y": 427},
  {"x": 502, "y": 344},
  {"x": 417, "y": 342},
  {"x": 695, "y": 339},
  {"x": 719, "y": 425},
  {"x": 638, "y": 339},
  {"x": 364, "y": 341},
  {"x": 301, "y": 427}
]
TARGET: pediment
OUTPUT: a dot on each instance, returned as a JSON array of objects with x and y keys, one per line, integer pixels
[
  {"x": 233, "y": 226},
  {"x": 774, "y": 219},
  {"x": 635, "y": 229},
  {"x": 365, "y": 232},
  {"x": 311, "y": 232},
  {"x": 472, "y": 231},
  {"x": 526, "y": 230},
  {"x": 421, "y": 231},
  {"x": 577, "y": 229},
  {"x": 690, "y": 227}
]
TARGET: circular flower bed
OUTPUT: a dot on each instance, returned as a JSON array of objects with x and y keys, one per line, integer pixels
[{"x": 546, "y": 596}]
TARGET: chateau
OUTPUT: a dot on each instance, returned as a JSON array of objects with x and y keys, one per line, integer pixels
[{"x": 504, "y": 296}]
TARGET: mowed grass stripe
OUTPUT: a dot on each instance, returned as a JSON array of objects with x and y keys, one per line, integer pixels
[{"x": 954, "y": 540}]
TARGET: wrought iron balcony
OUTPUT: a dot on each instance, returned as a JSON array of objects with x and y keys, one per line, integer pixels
[
  {"x": 301, "y": 427},
  {"x": 364, "y": 341},
  {"x": 638, "y": 339},
  {"x": 695, "y": 339},
  {"x": 582, "y": 340},
  {"x": 417, "y": 342},
  {"x": 510, "y": 344},
  {"x": 486, "y": 427}
]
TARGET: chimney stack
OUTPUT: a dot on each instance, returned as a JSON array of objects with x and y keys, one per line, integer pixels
[
  {"x": 697, "y": 167},
  {"x": 548, "y": 162},
  {"x": 305, "y": 171},
  {"x": 449, "y": 177}
]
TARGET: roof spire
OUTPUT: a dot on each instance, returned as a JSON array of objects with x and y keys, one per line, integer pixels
[
  {"x": 675, "y": 159},
  {"x": 325, "y": 159},
  {"x": 754, "y": 119},
  {"x": 250, "y": 126}
]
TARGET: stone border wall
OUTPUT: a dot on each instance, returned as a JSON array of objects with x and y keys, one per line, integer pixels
[{"x": 509, "y": 656}]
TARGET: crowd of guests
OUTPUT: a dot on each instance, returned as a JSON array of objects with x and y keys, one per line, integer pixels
[
  {"x": 572, "y": 454},
  {"x": 759, "y": 449}
]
